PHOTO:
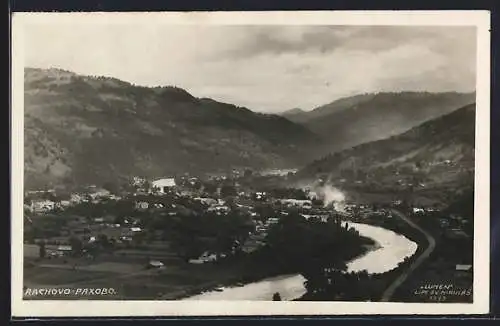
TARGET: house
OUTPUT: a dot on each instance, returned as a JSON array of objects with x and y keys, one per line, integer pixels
[
  {"x": 65, "y": 203},
  {"x": 444, "y": 222},
  {"x": 31, "y": 250},
  {"x": 417, "y": 210},
  {"x": 216, "y": 177},
  {"x": 297, "y": 203},
  {"x": 58, "y": 250},
  {"x": 138, "y": 181},
  {"x": 260, "y": 228},
  {"x": 206, "y": 201},
  {"x": 97, "y": 193},
  {"x": 163, "y": 185},
  {"x": 42, "y": 205},
  {"x": 141, "y": 205},
  {"x": 186, "y": 193},
  {"x": 125, "y": 238},
  {"x": 155, "y": 264},
  {"x": 196, "y": 261},
  {"x": 76, "y": 198},
  {"x": 260, "y": 195},
  {"x": 218, "y": 209},
  {"x": 464, "y": 268},
  {"x": 206, "y": 257},
  {"x": 307, "y": 216},
  {"x": 250, "y": 246},
  {"x": 273, "y": 220}
]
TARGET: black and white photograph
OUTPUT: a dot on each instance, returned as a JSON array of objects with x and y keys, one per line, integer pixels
[{"x": 206, "y": 163}]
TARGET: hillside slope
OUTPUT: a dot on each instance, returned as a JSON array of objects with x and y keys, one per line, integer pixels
[
  {"x": 364, "y": 118},
  {"x": 81, "y": 129},
  {"x": 325, "y": 110},
  {"x": 294, "y": 114},
  {"x": 438, "y": 154}
]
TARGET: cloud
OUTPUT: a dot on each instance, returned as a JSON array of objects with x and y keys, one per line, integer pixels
[{"x": 265, "y": 68}]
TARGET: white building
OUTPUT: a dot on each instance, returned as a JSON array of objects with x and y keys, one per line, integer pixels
[
  {"x": 417, "y": 210},
  {"x": 163, "y": 185},
  {"x": 138, "y": 181},
  {"x": 297, "y": 203},
  {"x": 156, "y": 264},
  {"x": 463, "y": 268},
  {"x": 142, "y": 205},
  {"x": 77, "y": 198},
  {"x": 218, "y": 209},
  {"x": 206, "y": 257},
  {"x": 42, "y": 205},
  {"x": 64, "y": 203},
  {"x": 207, "y": 201}
]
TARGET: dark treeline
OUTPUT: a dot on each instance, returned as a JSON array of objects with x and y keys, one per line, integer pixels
[{"x": 299, "y": 245}]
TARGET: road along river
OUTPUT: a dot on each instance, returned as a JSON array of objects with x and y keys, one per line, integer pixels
[{"x": 392, "y": 248}]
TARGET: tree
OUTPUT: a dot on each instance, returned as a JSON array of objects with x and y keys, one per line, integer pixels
[
  {"x": 42, "y": 250},
  {"x": 103, "y": 240},
  {"x": 248, "y": 173},
  {"x": 76, "y": 245},
  {"x": 147, "y": 185},
  {"x": 119, "y": 219},
  {"x": 210, "y": 188},
  {"x": 228, "y": 191},
  {"x": 277, "y": 296}
]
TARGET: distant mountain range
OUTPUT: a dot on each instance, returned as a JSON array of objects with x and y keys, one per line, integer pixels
[
  {"x": 363, "y": 118},
  {"x": 81, "y": 129},
  {"x": 436, "y": 154},
  {"x": 293, "y": 114},
  {"x": 84, "y": 129}
]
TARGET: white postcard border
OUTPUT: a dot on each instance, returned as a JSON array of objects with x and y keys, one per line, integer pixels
[{"x": 37, "y": 308}]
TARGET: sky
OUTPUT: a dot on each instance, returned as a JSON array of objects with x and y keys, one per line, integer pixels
[{"x": 269, "y": 68}]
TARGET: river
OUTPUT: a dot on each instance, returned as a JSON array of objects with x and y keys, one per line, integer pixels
[{"x": 392, "y": 248}]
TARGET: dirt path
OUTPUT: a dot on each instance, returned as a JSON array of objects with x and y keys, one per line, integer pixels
[{"x": 386, "y": 296}]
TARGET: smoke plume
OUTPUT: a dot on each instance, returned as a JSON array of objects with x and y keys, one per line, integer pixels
[{"x": 330, "y": 195}]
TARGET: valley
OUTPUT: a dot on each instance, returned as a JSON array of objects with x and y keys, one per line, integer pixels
[{"x": 162, "y": 195}]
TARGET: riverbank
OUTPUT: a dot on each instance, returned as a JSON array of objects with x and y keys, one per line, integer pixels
[
  {"x": 290, "y": 284},
  {"x": 196, "y": 291},
  {"x": 292, "y": 287},
  {"x": 373, "y": 285}
]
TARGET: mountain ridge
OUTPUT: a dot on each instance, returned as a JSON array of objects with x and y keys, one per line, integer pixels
[
  {"x": 351, "y": 121},
  {"x": 88, "y": 129},
  {"x": 436, "y": 154}
]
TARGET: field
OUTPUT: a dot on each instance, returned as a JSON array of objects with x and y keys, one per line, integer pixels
[
  {"x": 126, "y": 272},
  {"x": 50, "y": 276}
]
